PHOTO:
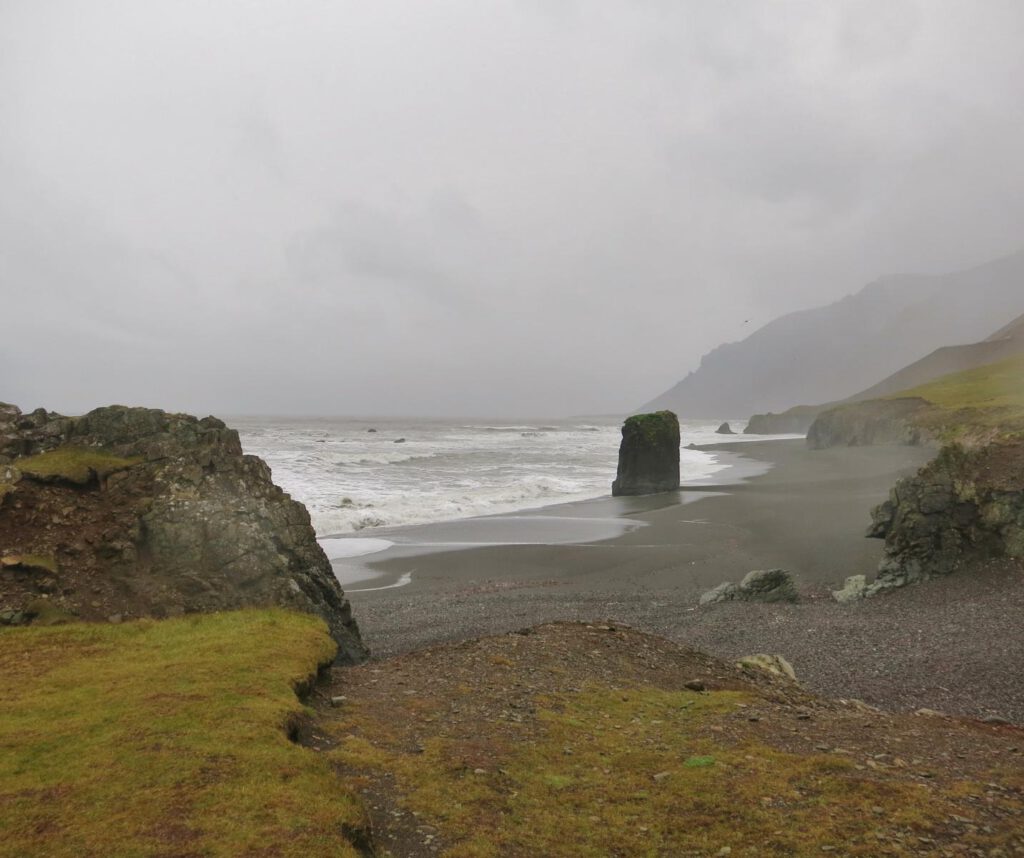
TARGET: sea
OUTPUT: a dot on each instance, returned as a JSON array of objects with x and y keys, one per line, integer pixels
[{"x": 368, "y": 475}]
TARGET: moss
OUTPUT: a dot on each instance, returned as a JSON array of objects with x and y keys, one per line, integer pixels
[
  {"x": 648, "y": 773},
  {"x": 658, "y": 427},
  {"x": 72, "y": 464},
  {"x": 165, "y": 738},
  {"x": 44, "y": 612}
]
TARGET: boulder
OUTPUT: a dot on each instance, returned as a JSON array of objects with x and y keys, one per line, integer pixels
[
  {"x": 724, "y": 429},
  {"x": 768, "y": 585},
  {"x": 854, "y": 588},
  {"x": 648, "y": 455},
  {"x": 185, "y": 523},
  {"x": 774, "y": 664},
  {"x": 725, "y": 592},
  {"x": 763, "y": 585}
]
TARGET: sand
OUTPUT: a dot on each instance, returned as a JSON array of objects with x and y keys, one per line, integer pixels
[{"x": 951, "y": 645}]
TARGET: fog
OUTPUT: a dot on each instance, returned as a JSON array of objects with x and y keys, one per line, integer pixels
[{"x": 474, "y": 208}]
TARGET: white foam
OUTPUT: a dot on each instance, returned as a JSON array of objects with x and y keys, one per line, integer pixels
[
  {"x": 338, "y": 548},
  {"x": 401, "y": 582},
  {"x": 356, "y": 481}
]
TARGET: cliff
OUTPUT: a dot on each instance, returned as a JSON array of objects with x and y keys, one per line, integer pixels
[
  {"x": 128, "y": 512},
  {"x": 883, "y": 421},
  {"x": 975, "y": 406},
  {"x": 965, "y": 506}
]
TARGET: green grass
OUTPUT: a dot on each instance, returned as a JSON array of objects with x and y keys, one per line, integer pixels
[
  {"x": 74, "y": 464},
  {"x": 30, "y": 561},
  {"x": 989, "y": 397},
  {"x": 164, "y": 738},
  {"x": 642, "y": 773}
]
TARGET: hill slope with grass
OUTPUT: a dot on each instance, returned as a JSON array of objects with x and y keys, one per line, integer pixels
[
  {"x": 829, "y": 353},
  {"x": 975, "y": 406},
  {"x": 1005, "y": 343}
]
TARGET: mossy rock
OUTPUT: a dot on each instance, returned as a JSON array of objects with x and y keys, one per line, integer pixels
[
  {"x": 44, "y": 612},
  {"x": 77, "y": 465}
]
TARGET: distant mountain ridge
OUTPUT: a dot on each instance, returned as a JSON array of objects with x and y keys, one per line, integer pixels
[{"x": 840, "y": 350}]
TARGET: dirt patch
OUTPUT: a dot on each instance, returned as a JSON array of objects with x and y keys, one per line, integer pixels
[{"x": 595, "y": 739}]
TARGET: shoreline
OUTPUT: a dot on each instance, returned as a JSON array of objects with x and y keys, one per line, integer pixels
[
  {"x": 587, "y": 521},
  {"x": 930, "y": 645}
]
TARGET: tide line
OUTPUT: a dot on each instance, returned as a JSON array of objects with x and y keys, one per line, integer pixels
[{"x": 401, "y": 582}]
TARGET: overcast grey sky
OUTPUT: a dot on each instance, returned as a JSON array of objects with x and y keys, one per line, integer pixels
[{"x": 495, "y": 208}]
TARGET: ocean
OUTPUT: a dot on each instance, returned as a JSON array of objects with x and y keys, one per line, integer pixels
[{"x": 358, "y": 476}]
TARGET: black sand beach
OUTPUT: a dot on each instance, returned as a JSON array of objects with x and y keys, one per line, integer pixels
[{"x": 951, "y": 645}]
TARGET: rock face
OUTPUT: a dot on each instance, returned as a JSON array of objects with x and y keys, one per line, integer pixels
[
  {"x": 145, "y": 513},
  {"x": 878, "y": 421},
  {"x": 795, "y": 421},
  {"x": 854, "y": 588},
  {"x": 648, "y": 455},
  {"x": 724, "y": 429},
  {"x": 964, "y": 506},
  {"x": 762, "y": 585}
]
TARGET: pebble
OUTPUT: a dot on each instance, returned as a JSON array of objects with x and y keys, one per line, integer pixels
[
  {"x": 339, "y": 700},
  {"x": 694, "y": 685}
]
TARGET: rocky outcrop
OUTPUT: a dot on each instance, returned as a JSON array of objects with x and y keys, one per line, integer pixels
[
  {"x": 878, "y": 421},
  {"x": 965, "y": 506},
  {"x": 145, "y": 513},
  {"x": 854, "y": 588},
  {"x": 795, "y": 421},
  {"x": 648, "y": 455},
  {"x": 761, "y": 585},
  {"x": 724, "y": 429}
]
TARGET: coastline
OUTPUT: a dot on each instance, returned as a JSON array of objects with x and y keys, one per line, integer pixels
[{"x": 807, "y": 513}]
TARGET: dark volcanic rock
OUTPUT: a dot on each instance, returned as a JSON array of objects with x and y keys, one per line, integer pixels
[
  {"x": 876, "y": 421},
  {"x": 724, "y": 429},
  {"x": 182, "y": 522},
  {"x": 964, "y": 506},
  {"x": 648, "y": 455}
]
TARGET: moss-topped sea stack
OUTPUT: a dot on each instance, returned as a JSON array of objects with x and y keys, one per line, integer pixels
[{"x": 648, "y": 455}]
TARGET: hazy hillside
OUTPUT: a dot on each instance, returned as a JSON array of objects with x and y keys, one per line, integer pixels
[
  {"x": 833, "y": 352},
  {"x": 950, "y": 359}
]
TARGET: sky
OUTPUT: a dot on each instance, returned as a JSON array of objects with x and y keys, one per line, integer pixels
[{"x": 465, "y": 207}]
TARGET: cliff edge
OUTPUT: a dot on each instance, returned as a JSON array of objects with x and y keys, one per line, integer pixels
[{"x": 128, "y": 512}]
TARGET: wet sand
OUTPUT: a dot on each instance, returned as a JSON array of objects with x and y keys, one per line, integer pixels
[{"x": 931, "y": 645}]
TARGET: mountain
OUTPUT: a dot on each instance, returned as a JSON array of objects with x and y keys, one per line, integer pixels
[{"x": 833, "y": 352}]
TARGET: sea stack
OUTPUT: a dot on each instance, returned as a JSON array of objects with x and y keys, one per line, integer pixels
[
  {"x": 648, "y": 455},
  {"x": 724, "y": 429}
]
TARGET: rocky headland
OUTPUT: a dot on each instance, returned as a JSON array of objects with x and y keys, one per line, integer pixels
[
  {"x": 135, "y": 512},
  {"x": 863, "y": 424}
]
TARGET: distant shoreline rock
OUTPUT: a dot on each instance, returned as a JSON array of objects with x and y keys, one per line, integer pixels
[{"x": 724, "y": 429}]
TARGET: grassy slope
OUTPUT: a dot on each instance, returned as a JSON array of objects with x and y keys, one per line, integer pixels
[
  {"x": 988, "y": 398},
  {"x": 164, "y": 738},
  {"x": 75, "y": 464}
]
